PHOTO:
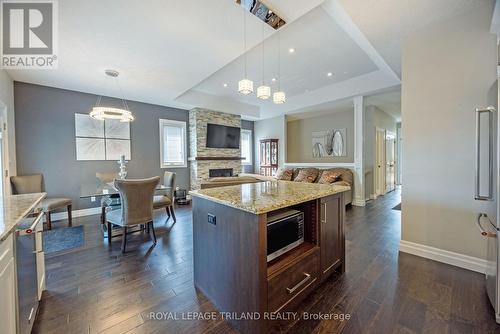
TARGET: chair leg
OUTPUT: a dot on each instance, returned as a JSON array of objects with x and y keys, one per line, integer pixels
[
  {"x": 173, "y": 213},
  {"x": 103, "y": 215},
  {"x": 49, "y": 222},
  {"x": 70, "y": 222},
  {"x": 109, "y": 233},
  {"x": 153, "y": 232},
  {"x": 124, "y": 239},
  {"x": 168, "y": 212},
  {"x": 147, "y": 228}
]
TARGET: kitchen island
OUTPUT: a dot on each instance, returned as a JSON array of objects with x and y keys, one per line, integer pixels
[{"x": 231, "y": 267}]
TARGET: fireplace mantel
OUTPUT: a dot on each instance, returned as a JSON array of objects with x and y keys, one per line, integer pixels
[{"x": 214, "y": 158}]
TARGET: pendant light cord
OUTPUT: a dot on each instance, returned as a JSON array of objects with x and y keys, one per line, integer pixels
[
  {"x": 245, "y": 38},
  {"x": 279, "y": 57},
  {"x": 263, "y": 57}
]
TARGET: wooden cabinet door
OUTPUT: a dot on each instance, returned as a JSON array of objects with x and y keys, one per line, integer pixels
[
  {"x": 331, "y": 227},
  {"x": 8, "y": 298}
]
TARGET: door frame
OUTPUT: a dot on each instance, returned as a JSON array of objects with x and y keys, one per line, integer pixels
[
  {"x": 4, "y": 166},
  {"x": 379, "y": 172}
]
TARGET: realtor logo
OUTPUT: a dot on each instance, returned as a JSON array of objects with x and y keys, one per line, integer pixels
[{"x": 29, "y": 34}]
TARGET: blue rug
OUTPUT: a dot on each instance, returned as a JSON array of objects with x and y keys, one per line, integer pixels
[{"x": 61, "y": 239}]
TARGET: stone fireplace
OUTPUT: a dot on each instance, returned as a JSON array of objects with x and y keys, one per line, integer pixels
[{"x": 203, "y": 159}]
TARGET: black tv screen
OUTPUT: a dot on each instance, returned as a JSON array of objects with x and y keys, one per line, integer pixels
[{"x": 220, "y": 136}]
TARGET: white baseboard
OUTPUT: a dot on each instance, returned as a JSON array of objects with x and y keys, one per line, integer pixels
[
  {"x": 441, "y": 255},
  {"x": 76, "y": 213},
  {"x": 358, "y": 202}
]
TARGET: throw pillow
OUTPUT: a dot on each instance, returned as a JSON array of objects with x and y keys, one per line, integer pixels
[
  {"x": 329, "y": 176},
  {"x": 284, "y": 174},
  {"x": 307, "y": 175}
]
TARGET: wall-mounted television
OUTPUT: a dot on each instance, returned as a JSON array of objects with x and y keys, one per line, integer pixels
[{"x": 221, "y": 136}]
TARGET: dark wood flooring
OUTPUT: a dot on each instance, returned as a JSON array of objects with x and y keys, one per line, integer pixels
[{"x": 99, "y": 290}]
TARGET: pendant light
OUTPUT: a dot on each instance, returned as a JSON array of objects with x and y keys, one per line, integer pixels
[
  {"x": 279, "y": 97},
  {"x": 245, "y": 86},
  {"x": 263, "y": 91},
  {"x": 102, "y": 113}
]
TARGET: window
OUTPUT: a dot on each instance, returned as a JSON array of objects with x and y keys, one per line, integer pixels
[
  {"x": 172, "y": 144},
  {"x": 246, "y": 146}
]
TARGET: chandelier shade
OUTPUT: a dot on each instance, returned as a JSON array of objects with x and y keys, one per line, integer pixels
[
  {"x": 264, "y": 92},
  {"x": 245, "y": 86},
  {"x": 279, "y": 97},
  {"x": 102, "y": 113}
]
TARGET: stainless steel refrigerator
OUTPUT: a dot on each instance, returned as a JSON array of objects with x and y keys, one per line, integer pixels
[{"x": 486, "y": 192}]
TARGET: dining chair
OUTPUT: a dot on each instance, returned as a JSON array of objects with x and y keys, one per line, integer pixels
[
  {"x": 26, "y": 184},
  {"x": 110, "y": 202},
  {"x": 136, "y": 197},
  {"x": 166, "y": 200}
]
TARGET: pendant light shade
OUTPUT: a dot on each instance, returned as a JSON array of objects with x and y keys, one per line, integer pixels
[
  {"x": 245, "y": 86},
  {"x": 264, "y": 92},
  {"x": 279, "y": 97},
  {"x": 102, "y": 113}
]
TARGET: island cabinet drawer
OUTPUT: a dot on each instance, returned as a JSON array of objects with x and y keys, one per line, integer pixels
[{"x": 293, "y": 283}]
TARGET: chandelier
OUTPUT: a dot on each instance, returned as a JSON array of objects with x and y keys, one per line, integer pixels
[
  {"x": 245, "y": 86},
  {"x": 102, "y": 113}
]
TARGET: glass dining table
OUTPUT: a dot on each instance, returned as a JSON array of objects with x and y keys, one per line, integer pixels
[{"x": 110, "y": 200}]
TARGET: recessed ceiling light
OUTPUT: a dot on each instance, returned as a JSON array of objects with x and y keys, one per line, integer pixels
[
  {"x": 273, "y": 79},
  {"x": 329, "y": 74},
  {"x": 225, "y": 85},
  {"x": 291, "y": 50}
]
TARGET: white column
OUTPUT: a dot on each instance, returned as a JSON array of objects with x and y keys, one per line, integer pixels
[{"x": 359, "y": 198}]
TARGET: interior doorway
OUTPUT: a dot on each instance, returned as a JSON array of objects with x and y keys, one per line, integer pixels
[
  {"x": 390, "y": 161},
  {"x": 380, "y": 162}
]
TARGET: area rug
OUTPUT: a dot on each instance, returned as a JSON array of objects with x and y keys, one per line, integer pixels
[
  {"x": 397, "y": 207},
  {"x": 63, "y": 239}
]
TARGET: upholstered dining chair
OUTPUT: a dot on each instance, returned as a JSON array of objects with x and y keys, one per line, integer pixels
[
  {"x": 33, "y": 184},
  {"x": 136, "y": 198},
  {"x": 108, "y": 202},
  {"x": 166, "y": 200}
]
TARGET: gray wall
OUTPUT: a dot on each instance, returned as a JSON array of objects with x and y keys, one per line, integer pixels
[
  {"x": 7, "y": 98},
  {"x": 448, "y": 70},
  {"x": 299, "y": 136},
  {"x": 249, "y": 125},
  {"x": 45, "y": 140}
]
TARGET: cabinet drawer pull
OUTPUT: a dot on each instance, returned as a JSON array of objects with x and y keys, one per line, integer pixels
[
  {"x": 324, "y": 213},
  {"x": 298, "y": 285}
]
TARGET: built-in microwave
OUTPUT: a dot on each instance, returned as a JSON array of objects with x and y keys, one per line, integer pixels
[{"x": 285, "y": 231}]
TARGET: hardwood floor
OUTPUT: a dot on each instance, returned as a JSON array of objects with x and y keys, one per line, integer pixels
[{"x": 99, "y": 290}]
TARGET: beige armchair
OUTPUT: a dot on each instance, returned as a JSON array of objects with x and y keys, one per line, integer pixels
[
  {"x": 166, "y": 200},
  {"x": 136, "y": 198},
  {"x": 33, "y": 184}
]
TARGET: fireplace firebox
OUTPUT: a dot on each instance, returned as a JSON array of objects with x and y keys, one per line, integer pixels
[{"x": 220, "y": 172}]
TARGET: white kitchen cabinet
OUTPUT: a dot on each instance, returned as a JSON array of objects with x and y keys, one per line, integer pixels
[{"x": 7, "y": 287}]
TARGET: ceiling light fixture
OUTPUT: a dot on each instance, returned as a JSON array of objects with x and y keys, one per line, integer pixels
[
  {"x": 273, "y": 79},
  {"x": 102, "y": 113},
  {"x": 279, "y": 96},
  {"x": 291, "y": 50},
  {"x": 225, "y": 85},
  {"x": 245, "y": 86},
  {"x": 329, "y": 74},
  {"x": 263, "y": 91}
]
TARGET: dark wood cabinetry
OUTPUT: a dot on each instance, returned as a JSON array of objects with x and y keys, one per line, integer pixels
[
  {"x": 268, "y": 163},
  {"x": 332, "y": 235},
  {"x": 230, "y": 259}
]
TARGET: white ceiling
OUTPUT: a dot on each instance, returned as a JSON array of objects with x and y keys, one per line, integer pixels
[
  {"x": 386, "y": 22},
  {"x": 179, "y": 53},
  {"x": 162, "y": 48},
  {"x": 389, "y": 101}
]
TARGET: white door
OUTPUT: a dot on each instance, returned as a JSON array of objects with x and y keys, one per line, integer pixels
[
  {"x": 380, "y": 162},
  {"x": 390, "y": 161}
]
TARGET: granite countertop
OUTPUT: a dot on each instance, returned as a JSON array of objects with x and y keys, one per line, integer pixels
[
  {"x": 14, "y": 208},
  {"x": 268, "y": 196}
]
